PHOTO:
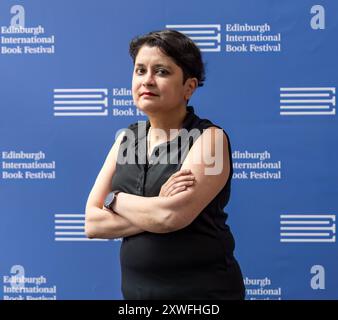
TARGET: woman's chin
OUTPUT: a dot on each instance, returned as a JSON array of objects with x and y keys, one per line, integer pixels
[{"x": 149, "y": 107}]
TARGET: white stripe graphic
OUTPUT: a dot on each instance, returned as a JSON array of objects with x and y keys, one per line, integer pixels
[
  {"x": 69, "y": 227},
  {"x": 218, "y": 38},
  {"x": 307, "y": 216},
  {"x": 74, "y": 114},
  {"x": 69, "y": 233},
  {"x": 319, "y": 113},
  {"x": 78, "y": 108},
  {"x": 104, "y": 102},
  {"x": 205, "y": 44},
  {"x": 309, "y": 240},
  {"x": 74, "y": 96},
  {"x": 307, "y": 104},
  {"x": 305, "y": 222},
  {"x": 218, "y": 48},
  {"x": 199, "y": 32},
  {"x": 79, "y": 239},
  {"x": 105, "y": 91},
  {"x": 333, "y": 101},
  {"x": 320, "y": 223},
  {"x": 212, "y": 39},
  {"x": 333, "y": 228},
  {"x": 58, "y": 215},
  {"x": 306, "y": 107},
  {"x": 304, "y": 94},
  {"x": 304, "y": 234},
  {"x": 82, "y": 104},
  {"x": 333, "y": 89},
  {"x": 194, "y": 26},
  {"x": 69, "y": 221}
]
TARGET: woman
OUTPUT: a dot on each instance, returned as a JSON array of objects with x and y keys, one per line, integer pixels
[{"x": 176, "y": 244}]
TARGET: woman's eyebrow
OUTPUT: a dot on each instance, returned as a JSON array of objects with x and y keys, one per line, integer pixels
[
  {"x": 162, "y": 65},
  {"x": 156, "y": 65}
]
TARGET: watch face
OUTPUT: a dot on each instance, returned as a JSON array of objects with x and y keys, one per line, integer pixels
[{"x": 109, "y": 199}]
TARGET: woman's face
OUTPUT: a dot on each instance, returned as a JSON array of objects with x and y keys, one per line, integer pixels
[{"x": 158, "y": 75}]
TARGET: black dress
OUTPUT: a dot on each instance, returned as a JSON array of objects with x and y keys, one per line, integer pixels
[{"x": 196, "y": 262}]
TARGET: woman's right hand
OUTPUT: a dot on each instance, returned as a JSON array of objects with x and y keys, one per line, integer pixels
[{"x": 177, "y": 182}]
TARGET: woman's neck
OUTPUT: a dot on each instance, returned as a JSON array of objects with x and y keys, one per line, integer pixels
[
  {"x": 172, "y": 119},
  {"x": 163, "y": 125}
]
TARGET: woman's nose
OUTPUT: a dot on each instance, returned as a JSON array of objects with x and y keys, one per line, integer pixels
[{"x": 148, "y": 79}]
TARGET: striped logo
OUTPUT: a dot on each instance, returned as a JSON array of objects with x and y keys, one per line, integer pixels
[
  {"x": 307, "y": 228},
  {"x": 206, "y": 36},
  {"x": 307, "y": 101},
  {"x": 70, "y": 227},
  {"x": 80, "y": 102}
]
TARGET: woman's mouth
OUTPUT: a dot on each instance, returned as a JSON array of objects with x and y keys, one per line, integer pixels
[{"x": 148, "y": 94}]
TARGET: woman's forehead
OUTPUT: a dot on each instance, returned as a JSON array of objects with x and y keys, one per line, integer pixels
[{"x": 152, "y": 55}]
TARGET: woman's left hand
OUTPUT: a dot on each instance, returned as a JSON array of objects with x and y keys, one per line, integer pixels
[{"x": 177, "y": 182}]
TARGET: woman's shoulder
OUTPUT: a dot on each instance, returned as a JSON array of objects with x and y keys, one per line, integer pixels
[
  {"x": 137, "y": 124},
  {"x": 204, "y": 124},
  {"x": 133, "y": 126}
]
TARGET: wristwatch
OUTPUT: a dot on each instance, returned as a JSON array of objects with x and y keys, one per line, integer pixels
[{"x": 110, "y": 199}]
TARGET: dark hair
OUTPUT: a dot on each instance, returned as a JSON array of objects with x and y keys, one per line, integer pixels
[{"x": 177, "y": 46}]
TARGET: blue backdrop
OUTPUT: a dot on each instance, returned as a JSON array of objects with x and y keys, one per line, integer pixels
[{"x": 65, "y": 87}]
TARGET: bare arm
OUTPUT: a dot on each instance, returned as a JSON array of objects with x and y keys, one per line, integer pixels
[
  {"x": 106, "y": 224},
  {"x": 148, "y": 213},
  {"x": 109, "y": 225},
  {"x": 99, "y": 222}
]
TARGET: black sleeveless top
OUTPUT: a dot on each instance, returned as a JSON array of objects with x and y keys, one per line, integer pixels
[{"x": 195, "y": 262}]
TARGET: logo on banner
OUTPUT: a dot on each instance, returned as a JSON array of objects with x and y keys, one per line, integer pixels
[
  {"x": 18, "y": 19},
  {"x": 206, "y": 36},
  {"x": 307, "y": 101},
  {"x": 237, "y": 37},
  {"x": 318, "y": 280},
  {"x": 17, "y": 286},
  {"x": 256, "y": 165},
  {"x": 261, "y": 289},
  {"x": 307, "y": 228},
  {"x": 80, "y": 102},
  {"x": 20, "y": 165},
  {"x": 71, "y": 228},
  {"x": 318, "y": 20},
  {"x": 17, "y": 38},
  {"x": 69, "y": 102}
]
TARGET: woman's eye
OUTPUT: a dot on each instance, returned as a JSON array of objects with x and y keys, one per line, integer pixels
[
  {"x": 139, "y": 71},
  {"x": 162, "y": 71}
]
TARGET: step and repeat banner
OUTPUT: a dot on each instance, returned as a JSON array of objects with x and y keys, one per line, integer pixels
[{"x": 65, "y": 91}]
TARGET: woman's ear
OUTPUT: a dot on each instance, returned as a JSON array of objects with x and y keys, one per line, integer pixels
[{"x": 191, "y": 85}]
